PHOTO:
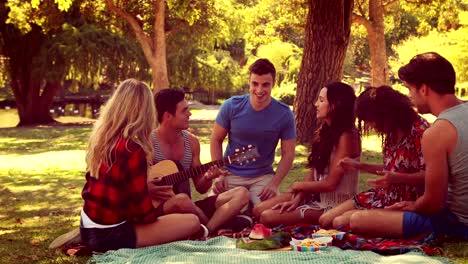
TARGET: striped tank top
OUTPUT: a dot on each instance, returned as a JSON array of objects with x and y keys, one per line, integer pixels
[{"x": 186, "y": 162}]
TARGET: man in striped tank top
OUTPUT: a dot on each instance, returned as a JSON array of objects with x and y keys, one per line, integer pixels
[
  {"x": 443, "y": 208},
  {"x": 172, "y": 141}
]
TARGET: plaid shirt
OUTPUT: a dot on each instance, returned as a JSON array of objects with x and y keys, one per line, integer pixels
[{"x": 121, "y": 192}]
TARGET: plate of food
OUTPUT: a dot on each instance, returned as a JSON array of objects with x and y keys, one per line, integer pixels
[
  {"x": 311, "y": 244},
  {"x": 329, "y": 233}
]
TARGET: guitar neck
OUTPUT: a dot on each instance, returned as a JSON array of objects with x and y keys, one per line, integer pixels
[{"x": 186, "y": 174}]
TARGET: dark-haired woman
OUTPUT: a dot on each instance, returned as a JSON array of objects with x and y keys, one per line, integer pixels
[
  {"x": 391, "y": 115},
  {"x": 335, "y": 139}
]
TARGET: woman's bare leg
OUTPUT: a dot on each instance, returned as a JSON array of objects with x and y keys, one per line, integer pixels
[
  {"x": 343, "y": 219},
  {"x": 326, "y": 220},
  {"x": 272, "y": 218},
  {"x": 378, "y": 223},
  {"x": 167, "y": 228}
]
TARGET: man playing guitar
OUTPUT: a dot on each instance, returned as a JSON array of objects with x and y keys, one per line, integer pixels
[{"x": 172, "y": 141}]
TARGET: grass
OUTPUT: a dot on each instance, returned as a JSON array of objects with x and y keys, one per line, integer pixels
[{"x": 42, "y": 173}]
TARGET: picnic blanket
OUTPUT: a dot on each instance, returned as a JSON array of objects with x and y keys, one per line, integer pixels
[
  {"x": 223, "y": 250},
  {"x": 384, "y": 246}
]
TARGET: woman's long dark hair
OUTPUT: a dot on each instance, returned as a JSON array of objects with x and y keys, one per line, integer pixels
[
  {"x": 341, "y": 100},
  {"x": 388, "y": 111}
]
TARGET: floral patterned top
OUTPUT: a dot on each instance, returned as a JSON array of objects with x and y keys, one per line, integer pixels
[{"x": 405, "y": 157}]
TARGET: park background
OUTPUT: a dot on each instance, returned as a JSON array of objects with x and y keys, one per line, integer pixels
[{"x": 61, "y": 59}]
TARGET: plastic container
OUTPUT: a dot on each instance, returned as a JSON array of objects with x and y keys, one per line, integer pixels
[
  {"x": 296, "y": 244},
  {"x": 339, "y": 235}
]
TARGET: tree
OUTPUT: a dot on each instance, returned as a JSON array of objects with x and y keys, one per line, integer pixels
[
  {"x": 21, "y": 43},
  {"x": 154, "y": 47},
  {"x": 155, "y": 22},
  {"x": 371, "y": 14},
  {"x": 327, "y": 35},
  {"x": 374, "y": 25},
  {"x": 42, "y": 48},
  {"x": 271, "y": 20}
]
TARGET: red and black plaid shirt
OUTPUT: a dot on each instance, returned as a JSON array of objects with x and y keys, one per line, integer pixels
[{"x": 120, "y": 193}]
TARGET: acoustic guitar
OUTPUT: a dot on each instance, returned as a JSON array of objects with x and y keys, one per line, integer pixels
[{"x": 170, "y": 173}]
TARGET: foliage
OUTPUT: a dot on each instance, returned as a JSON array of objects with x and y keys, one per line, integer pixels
[
  {"x": 71, "y": 54},
  {"x": 271, "y": 20},
  {"x": 440, "y": 15},
  {"x": 453, "y": 45},
  {"x": 285, "y": 56},
  {"x": 285, "y": 93},
  {"x": 403, "y": 20},
  {"x": 203, "y": 55}
]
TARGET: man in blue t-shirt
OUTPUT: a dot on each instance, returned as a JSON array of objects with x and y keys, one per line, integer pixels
[{"x": 255, "y": 119}]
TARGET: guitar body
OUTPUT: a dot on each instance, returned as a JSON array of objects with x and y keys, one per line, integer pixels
[
  {"x": 172, "y": 172},
  {"x": 159, "y": 170}
]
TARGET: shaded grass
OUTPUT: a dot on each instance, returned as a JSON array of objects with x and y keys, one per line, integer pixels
[{"x": 42, "y": 173}]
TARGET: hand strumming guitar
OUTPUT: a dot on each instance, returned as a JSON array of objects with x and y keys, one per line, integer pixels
[
  {"x": 160, "y": 192},
  {"x": 220, "y": 185}
]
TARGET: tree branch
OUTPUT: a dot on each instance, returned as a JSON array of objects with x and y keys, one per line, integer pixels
[
  {"x": 159, "y": 17},
  {"x": 361, "y": 10},
  {"x": 143, "y": 38},
  {"x": 362, "y": 21},
  {"x": 389, "y": 3}
]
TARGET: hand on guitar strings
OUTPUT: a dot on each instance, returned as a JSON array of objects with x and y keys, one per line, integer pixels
[
  {"x": 160, "y": 192},
  {"x": 214, "y": 172},
  {"x": 220, "y": 185}
]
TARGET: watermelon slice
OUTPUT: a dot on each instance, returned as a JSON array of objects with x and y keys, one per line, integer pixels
[{"x": 259, "y": 231}]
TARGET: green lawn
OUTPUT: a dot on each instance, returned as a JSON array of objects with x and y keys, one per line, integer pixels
[{"x": 42, "y": 173}]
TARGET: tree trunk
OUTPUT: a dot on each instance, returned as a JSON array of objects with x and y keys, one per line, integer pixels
[
  {"x": 159, "y": 65},
  {"x": 326, "y": 40},
  {"x": 378, "y": 49},
  {"x": 32, "y": 104},
  {"x": 154, "y": 48},
  {"x": 375, "y": 28}
]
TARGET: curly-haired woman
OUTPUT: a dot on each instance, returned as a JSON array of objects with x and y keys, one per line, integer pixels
[{"x": 391, "y": 115}]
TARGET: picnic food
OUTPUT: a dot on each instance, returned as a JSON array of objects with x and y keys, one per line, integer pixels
[
  {"x": 309, "y": 242},
  {"x": 278, "y": 240},
  {"x": 327, "y": 232},
  {"x": 259, "y": 231}
]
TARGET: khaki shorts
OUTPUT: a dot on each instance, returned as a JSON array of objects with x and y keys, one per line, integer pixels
[{"x": 255, "y": 185}]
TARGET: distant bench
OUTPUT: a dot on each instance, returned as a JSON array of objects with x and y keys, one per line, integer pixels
[{"x": 59, "y": 103}]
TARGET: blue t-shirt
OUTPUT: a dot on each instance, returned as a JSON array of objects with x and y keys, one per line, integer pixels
[{"x": 262, "y": 129}]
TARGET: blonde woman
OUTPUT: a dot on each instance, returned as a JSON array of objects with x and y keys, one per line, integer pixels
[{"x": 117, "y": 211}]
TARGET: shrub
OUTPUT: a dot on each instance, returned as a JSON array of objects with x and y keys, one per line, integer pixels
[{"x": 285, "y": 93}]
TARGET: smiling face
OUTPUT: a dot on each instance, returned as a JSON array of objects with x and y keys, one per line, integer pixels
[
  {"x": 322, "y": 104},
  {"x": 180, "y": 119},
  {"x": 260, "y": 90}
]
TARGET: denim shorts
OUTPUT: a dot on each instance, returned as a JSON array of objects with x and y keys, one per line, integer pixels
[
  {"x": 442, "y": 224},
  {"x": 113, "y": 238}
]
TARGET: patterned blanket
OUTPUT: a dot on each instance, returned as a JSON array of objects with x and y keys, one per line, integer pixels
[
  {"x": 223, "y": 250},
  {"x": 384, "y": 246},
  {"x": 424, "y": 244}
]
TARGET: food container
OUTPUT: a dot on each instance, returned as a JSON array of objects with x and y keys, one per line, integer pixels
[
  {"x": 324, "y": 241},
  {"x": 331, "y": 233}
]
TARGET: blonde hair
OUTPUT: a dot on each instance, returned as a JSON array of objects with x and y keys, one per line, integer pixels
[{"x": 130, "y": 114}]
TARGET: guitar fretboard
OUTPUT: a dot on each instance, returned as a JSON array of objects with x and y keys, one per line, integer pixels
[{"x": 186, "y": 174}]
